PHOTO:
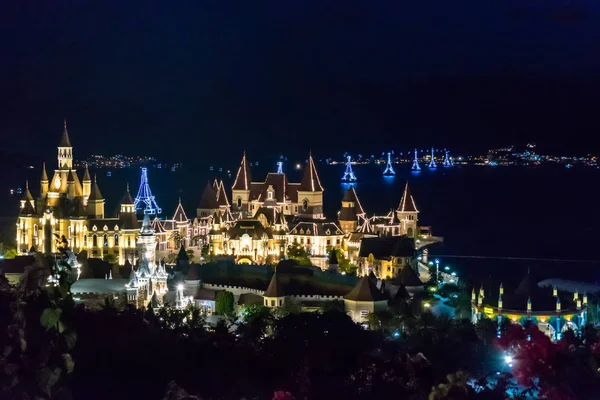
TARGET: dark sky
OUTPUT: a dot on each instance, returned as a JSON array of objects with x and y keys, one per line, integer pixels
[{"x": 208, "y": 79}]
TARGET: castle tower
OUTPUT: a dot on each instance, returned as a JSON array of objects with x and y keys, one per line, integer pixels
[
  {"x": 241, "y": 187},
  {"x": 95, "y": 205},
  {"x": 65, "y": 150},
  {"x": 351, "y": 211},
  {"x": 407, "y": 213},
  {"x": 71, "y": 186},
  {"x": 310, "y": 192},
  {"x": 274, "y": 296},
  {"x": 146, "y": 247},
  {"x": 87, "y": 185},
  {"x": 44, "y": 182},
  {"x": 128, "y": 230},
  {"x": 216, "y": 236}
]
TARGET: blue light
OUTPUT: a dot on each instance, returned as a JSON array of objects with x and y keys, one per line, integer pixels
[
  {"x": 454, "y": 274},
  {"x": 389, "y": 170},
  {"x": 144, "y": 201},
  {"x": 396, "y": 334},
  {"x": 416, "y": 166},
  {"x": 349, "y": 174},
  {"x": 447, "y": 268},
  {"x": 437, "y": 260}
]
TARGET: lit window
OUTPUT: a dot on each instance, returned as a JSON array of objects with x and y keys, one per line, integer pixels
[
  {"x": 272, "y": 303},
  {"x": 270, "y": 195},
  {"x": 364, "y": 313},
  {"x": 239, "y": 202}
]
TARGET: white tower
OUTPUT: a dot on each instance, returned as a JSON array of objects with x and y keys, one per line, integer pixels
[
  {"x": 146, "y": 247},
  {"x": 65, "y": 151}
]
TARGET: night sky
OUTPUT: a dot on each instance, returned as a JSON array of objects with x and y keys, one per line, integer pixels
[{"x": 184, "y": 80}]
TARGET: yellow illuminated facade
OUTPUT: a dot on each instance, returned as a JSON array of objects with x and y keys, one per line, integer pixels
[{"x": 72, "y": 210}]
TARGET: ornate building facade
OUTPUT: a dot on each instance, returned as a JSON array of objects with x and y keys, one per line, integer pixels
[{"x": 69, "y": 210}]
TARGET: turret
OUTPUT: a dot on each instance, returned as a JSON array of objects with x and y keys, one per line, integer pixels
[
  {"x": 95, "y": 205},
  {"x": 44, "y": 182},
  {"x": 71, "y": 185},
  {"x": 274, "y": 296},
  {"x": 407, "y": 213},
  {"x": 65, "y": 150},
  {"x": 208, "y": 203},
  {"x": 27, "y": 201},
  {"x": 499, "y": 302},
  {"x": 127, "y": 202},
  {"x": 241, "y": 187},
  {"x": 87, "y": 184},
  {"x": 351, "y": 211},
  {"x": 310, "y": 192}
]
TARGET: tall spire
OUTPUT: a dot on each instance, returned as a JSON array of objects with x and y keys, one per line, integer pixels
[
  {"x": 64, "y": 140},
  {"x": 243, "y": 177},
  {"x": 407, "y": 203},
  {"x": 310, "y": 180},
  {"x": 44, "y": 174}
]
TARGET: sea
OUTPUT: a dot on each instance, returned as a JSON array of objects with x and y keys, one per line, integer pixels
[{"x": 496, "y": 222}]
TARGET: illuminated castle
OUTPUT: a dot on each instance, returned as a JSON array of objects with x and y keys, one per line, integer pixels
[
  {"x": 71, "y": 211},
  {"x": 267, "y": 216}
]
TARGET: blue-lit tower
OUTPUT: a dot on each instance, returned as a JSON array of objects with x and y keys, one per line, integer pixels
[
  {"x": 280, "y": 167},
  {"x": 447, "y": 162},
  {"x": 389, "y": 170},
  {"x": 144, "y": 201},
  {"x": 432, "y": 163},
  {"x": 416, "y": 166},
  {"x": 349, "y": 174}
]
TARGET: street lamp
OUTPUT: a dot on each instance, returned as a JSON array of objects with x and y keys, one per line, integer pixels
[{"x": 437, "y": 269}]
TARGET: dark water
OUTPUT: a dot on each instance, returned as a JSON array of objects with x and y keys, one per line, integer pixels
[{"x": 482, "y": 211}]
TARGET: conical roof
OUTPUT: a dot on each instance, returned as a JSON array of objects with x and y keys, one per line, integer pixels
[
  {"x": 274, "y": 289},
  {"x": 133, "y": 281},
  {"x": 44, "y": 177},
  {"x": 64, "y": 140},
  {"x": 182, "y": 255},
  {"x": 86, "y": 175},
  {"x": 310, "y": 180},
  {"x": 243, "y": 177},
  {"x": 71, "y": 178},
  {"x": 222, "y": 196},
  {"x": 180, "y": 215},
  {"x": 209, "y": 198},
  {"x": 350, "y": 213},
  {"x": 217, "y": 218},
  {"x": 365, "y": 290},
  {"x": 408, "y": 277},
  {"x": 407, "y": 203},
  {"x": 27, "y": 194},
  {"x": 127, "y": 199},
  {"x": 95, "y": 192},
  {"x": 146, "y": 228}
]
